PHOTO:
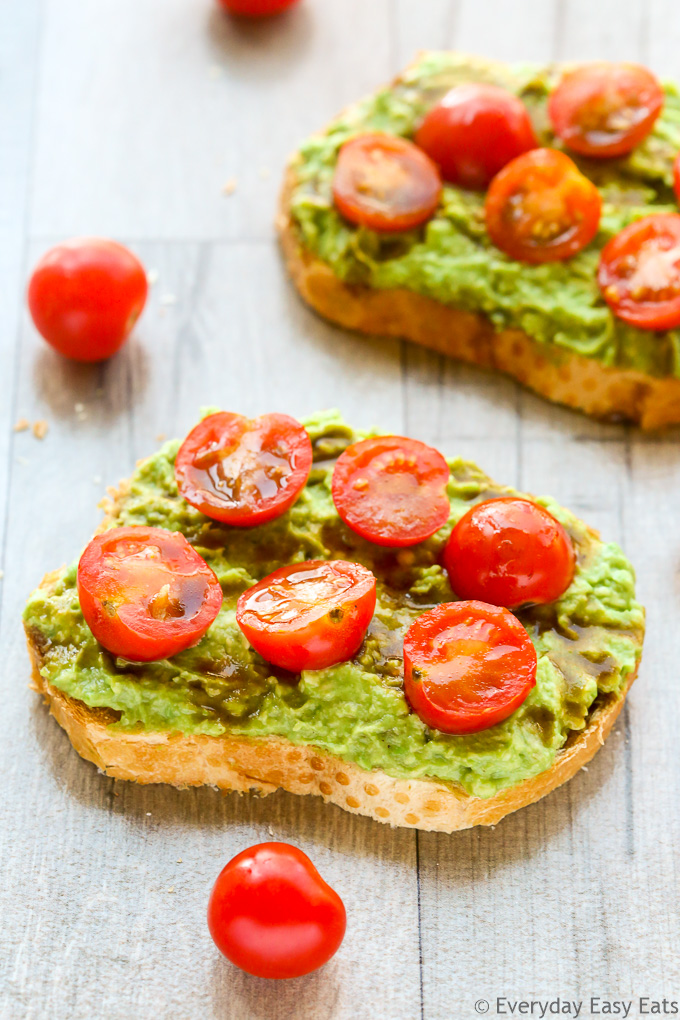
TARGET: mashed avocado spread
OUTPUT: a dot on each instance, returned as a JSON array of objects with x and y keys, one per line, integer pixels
[
  {"x": 451, "y": 258},
  {"x": 587, "y": 643}
]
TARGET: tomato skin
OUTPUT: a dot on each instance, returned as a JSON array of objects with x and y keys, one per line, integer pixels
[
  {"x": 145, "y": 593},
  {"x": 541, "y": 208},
  {"x": 605, "y": 110},
  {"x": 309, "y": 615},
  {"x": 228, "y": 465},
  {"x": 386, "y": 183},
  {"x": 391, "y": 490},
  {"x": 256, "y": 8},
  {"x": 474, "y": 131},
  {"x": 509, "y": 552},
  {"x": 676, "y": 176},
  {"x": 85, "y": 296},
  {"x": 643, "y": 255},
  {"x": 272, "y": 914},
  {"x": 467, "y": 666}
]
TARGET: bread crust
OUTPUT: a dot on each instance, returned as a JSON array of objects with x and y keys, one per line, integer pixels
[{"x": 562, "y": 376}]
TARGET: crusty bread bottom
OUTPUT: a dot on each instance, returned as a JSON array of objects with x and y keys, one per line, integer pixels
[
  {"x": 561, "y": 376},
  {"x": 264, "y": 765}
]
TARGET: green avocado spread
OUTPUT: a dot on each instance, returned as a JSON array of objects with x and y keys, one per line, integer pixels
[
  {"x": 451, "y": 258},
  {"x": 588, "y": 642}
]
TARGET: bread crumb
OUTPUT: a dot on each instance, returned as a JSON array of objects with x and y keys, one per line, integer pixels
[
  {"x": 584, "y": 768},
  {"x": 168, "y": 299},
  {"x": 179, "y": 860},
  {"x": 152, "y": 277},
  {"x": 270, "y": 831},
  {"x": 171, "y": 889},
  {"x": 161, "y": 437},
  {"x": 229, "y": 187},
  {"x": 40, "y": 428},
  {"x": 148, "y": 814},
  {"x": 2, "y": 574},
  {"x": 22, "y": 424},
  {"x": 79, "y": 408}
]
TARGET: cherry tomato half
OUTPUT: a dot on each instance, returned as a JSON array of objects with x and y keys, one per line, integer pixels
[
  {"x": 85, "y": 296},
  {"x": 467, "y": 666},
  {"x": 391, "y": 490},
  {"x": 509, "y": 552},
  {"x": 639, "y": 272},
  {"x": 256, "y": 8},
  {"x": 474, "y": 131},
  {"x": 308, "y": 615},
  {"x": 605, "y": 109},
  {"x": 145, "y": 593},
  {"x": 385, "y": 182},
  {"x": 272, "y": 914},
  {"x": 540, "y": 208},
  {"x": 244, "y": 471}
]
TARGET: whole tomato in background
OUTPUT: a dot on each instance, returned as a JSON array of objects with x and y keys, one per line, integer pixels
[
  {"x": 256, "y": 8},
  {"x": 272, "y": 914},
  {"x": 85, "y": 296}
]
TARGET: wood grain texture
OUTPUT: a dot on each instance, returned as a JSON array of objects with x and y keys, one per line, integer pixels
[{"x": 126, "y": 118}]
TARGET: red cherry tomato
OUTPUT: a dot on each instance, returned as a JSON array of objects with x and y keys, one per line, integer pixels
[
  {"x": 308, "y": 615},
  {"x": 474, "y": 131},
  {"x": 509, "y": 552},
  {"x": 676, "y": 176},
  {"x": 391, "y": 490},
  {"x": 386, "y": 183},
  {"x": 639, "y": 272},
  {"x": 272, "y": 914},
  {"x": 467, "y": 666},
  {"x": 256, "y": 8},
  {"x": 85, "y": 296},
  {"x": 145, "y": 593},
  {"x": 605, "y": 109},
  {"x": 540, "y": 208},
  {"x": 244, "y": 471}
]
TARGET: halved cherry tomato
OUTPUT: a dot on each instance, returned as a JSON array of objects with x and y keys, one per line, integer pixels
[
  {"x": 256, "y": 8},
  {"x": 145, "y": 593},
  {"x": 272, "y": 914},
  {"x": 467, "y": 666},
  {"x": 605, "y": 109},
  {"x": 540, "y": 208},
  {"x": 474, "y": 131},
  {"x": 85, "y": 296},
  {"x": 385, "y": 182},
  {"x": 308, "y": 615},
  {"x": 244, "y": 471},
  {"x": 676, "y": 176},
  {"x": 509, "y": 552},
  {"x": 639, "y": 272},
  {"x": 391, "y": 490}
]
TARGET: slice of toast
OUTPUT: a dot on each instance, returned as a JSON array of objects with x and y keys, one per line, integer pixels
[
  {"x": 613, "y": 391},
  {"x": 234, "y": 760}
]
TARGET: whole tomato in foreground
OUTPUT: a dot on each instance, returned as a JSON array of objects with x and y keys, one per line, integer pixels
[
  {"x": 85, "y": 296},
  {"x": 272, "y": 914},
  {"x": 256, "y": 8}
]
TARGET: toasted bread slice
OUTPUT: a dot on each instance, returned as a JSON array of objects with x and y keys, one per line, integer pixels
[
  {"x": 263, "y": 765},
  {"x": 569, "y": 378}
]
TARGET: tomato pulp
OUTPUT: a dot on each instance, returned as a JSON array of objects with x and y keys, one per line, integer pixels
[
  {"x": 146, "y": 593},
  {"x": 467, "y": 666}
]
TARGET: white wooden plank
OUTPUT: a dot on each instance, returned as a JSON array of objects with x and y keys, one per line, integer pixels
[
  {"x": 603, "y": 32},
  {"x": 168, "y": 100}
]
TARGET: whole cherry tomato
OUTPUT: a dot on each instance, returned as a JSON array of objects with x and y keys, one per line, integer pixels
[
  {"x": 639, "y": 272},
  {"x": 85, "y": 296},
  {"x": 308, "y": 615},
  {"x": 540, "y": 208},
  {"x": 391, "y": 490},
  {"x": 146, "y": 593},
  {"x": 509, "y": 552},
  {"x": 385, "y": 182},
  {"x": 272, "y": 914},
  {"x": 474, "y": 131},
  {"x": 605, "y": 109},
  {"x": 244, "y": 471},
  {"x": 467, "y": 666}
]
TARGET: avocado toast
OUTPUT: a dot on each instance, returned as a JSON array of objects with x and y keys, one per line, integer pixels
[
  {"x": 444, "y": 285},
  {"x": 219, "y": 714}
]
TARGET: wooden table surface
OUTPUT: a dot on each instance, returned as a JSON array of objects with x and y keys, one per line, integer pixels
[{"x": 126, "y": 118}]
